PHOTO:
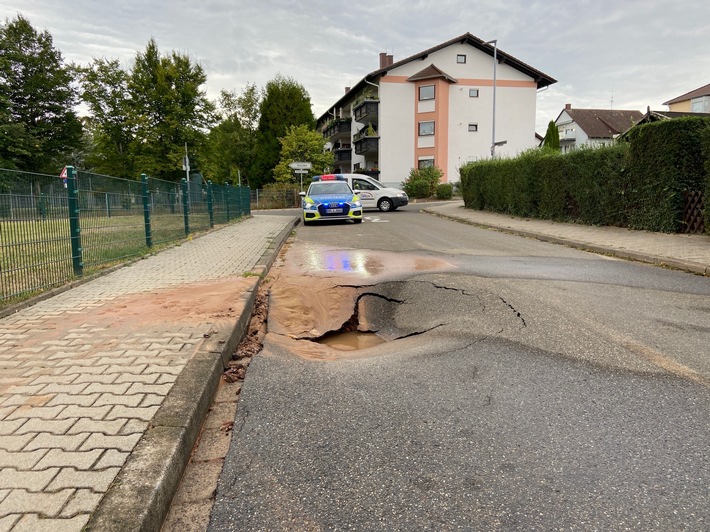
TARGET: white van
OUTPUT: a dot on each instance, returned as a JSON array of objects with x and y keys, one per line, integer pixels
[{"x": 374, "y": 195}]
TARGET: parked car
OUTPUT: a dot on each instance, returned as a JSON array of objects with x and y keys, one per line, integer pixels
[
  {"x": 329, "y": 197},
  {"x": 373, "y": 194}
]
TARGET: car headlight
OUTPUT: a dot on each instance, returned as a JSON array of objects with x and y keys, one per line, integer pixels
[
  {"x": 357, "y": 203},
  {"x": 402, "y": 194}
]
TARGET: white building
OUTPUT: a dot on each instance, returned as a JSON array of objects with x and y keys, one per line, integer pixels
[
  {"x": 435, "y": 108},
  {"x": 592, "y": 127}
]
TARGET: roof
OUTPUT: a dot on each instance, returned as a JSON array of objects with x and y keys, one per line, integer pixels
[
  {"x": 431, "y": 72},
  {"x": 697, "y": 93},
  {"x": 540, "y": 78},
  {"x": 656, "y": 116},
  {"x": 603, "y": 123}
]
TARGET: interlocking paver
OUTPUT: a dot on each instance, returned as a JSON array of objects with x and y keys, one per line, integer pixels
[
  {"x": 82, "y": 502},
  {"x": 102, "y": 441},
  {"x": 144, "y": 413},
  {"x": 72, "y": 399},
  {"x": 45, "y": 440},
  {"x": 21, "y": 460},
  {"x": 28, "y": 480},
  {"x": 43, "y": 425},
  {"x": 104, "y": 427},
  {"x": 79, "y": 389},
  {"x": 112, "y": 458},
  {"x": 32, "y": 523},
  {"x": 60, "y": 458},
  {"x": 7, "y": 522},
  {"x": 95, "y": 480}
]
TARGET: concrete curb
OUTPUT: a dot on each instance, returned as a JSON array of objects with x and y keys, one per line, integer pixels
[
  {"x": 691, "y": 267},
  {"x": 140, "y": 496}
]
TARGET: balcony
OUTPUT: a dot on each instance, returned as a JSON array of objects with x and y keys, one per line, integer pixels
[
  {"x": 343, "y": 153},
  {"x": 339, "y": 128},
  {"x": 366, "y": 111},
  {"x": 367, "y": 145}
]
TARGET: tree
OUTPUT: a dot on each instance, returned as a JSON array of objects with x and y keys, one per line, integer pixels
[
  {"x": 301, "y": 144},
  {"x": 105, "y": 91},
  {"x": 552, "y": 137},
  {"x": 38, "y": 123},
  {"x": 286, "y": 103},
  {"x": 231, "y": 144},
  {"x": 168, "y": 110}
]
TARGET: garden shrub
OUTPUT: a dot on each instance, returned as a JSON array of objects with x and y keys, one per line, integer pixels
[{"x": 444, "y": 191}]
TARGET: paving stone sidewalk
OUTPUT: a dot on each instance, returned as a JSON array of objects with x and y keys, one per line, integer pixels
[
  {"x": 685, "y": 252},
  {"x": 83, "y": 373}
]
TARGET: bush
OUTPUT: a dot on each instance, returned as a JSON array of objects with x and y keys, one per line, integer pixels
[
  {"x": 640, "y": 183},
  {"x": 418, "y": 189},
  {"x": 665, "y": 159},
  {"x": 444, "y": 191},
  {"x": 430, "y": 175}
]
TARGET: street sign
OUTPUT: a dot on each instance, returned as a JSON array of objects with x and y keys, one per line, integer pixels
[
  {"x": 301, "y": 171},
  {"x": 301, "y": 166}
]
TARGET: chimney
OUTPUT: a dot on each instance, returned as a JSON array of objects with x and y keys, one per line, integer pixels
[
  {"x": 383, "y": 59},
  {"x": 568, "y": 106},
  {"x": 390, "y": 60}
]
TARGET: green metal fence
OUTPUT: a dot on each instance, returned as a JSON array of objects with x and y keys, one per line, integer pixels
[{"x": 55, "y": 230}]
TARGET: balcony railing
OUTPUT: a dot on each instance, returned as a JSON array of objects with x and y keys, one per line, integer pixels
[
  {"x": 343, "y": 154},
  {"x": 366, "y": 111},
  {"x": 367, "y": 145},
  {"x": 337, "y": 128}
]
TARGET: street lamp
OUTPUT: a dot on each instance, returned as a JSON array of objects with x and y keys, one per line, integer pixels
[{"x": 494, "y": 42}]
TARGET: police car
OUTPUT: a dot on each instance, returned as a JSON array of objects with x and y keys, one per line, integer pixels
[{"x": 329, "y": 197}]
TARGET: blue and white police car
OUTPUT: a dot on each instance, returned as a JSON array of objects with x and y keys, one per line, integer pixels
[{"x": 329, "y": 197}]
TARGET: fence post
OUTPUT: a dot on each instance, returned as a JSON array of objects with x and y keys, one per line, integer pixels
[
  {"x": 227, "y": 200},
  {"x": 146, "y": 211},
  {"x": 42, "y": 206},
  {"x": 210, "y": 206},
  {"x": 185, "y": 206},
  {"x": 74, "y": 225}
]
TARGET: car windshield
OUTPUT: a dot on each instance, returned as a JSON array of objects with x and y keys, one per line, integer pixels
[{"x": 336, "y": 187}]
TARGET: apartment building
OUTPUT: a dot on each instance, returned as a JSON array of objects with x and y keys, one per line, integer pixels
[{"x": 435, "y": 108}]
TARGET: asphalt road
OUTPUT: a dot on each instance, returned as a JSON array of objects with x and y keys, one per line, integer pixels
[{"x": 523, "y": 386}]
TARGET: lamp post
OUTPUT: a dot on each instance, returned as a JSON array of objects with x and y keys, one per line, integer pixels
[{"x": 494, "y": 42}]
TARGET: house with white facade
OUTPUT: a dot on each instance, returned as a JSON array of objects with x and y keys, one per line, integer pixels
[
  {"x": 592, "y": 127},
  {"x": 435, "y": 108}
]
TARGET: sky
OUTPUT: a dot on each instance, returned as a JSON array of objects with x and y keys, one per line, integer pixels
[{"x": 620, "y": 54}]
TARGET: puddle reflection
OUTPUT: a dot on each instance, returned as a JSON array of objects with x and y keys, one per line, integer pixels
[{"x": 343, "y": 261}]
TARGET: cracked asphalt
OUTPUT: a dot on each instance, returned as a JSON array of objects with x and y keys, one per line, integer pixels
[{"x": 523, "y": 386}]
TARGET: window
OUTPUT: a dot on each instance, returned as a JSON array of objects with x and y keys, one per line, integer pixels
[
  {"x": 426, "y": 128},
  {"x": 473, "y": 93},
  {"x": 473, "y": 127},
  {"x": 461, "y": 58},
  {"x": 426, "y": 92},
  {"x": 361, "y": 184},
  {"x": 425, "y": 163}
]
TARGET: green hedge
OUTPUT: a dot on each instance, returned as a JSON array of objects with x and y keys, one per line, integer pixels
[{"x": 639, "y": 183}]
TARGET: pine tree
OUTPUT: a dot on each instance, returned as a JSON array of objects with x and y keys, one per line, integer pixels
[{"x": 552, "y": 137}]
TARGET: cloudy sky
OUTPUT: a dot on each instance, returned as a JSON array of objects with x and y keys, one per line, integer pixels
[{"x": 625, "y": 54}]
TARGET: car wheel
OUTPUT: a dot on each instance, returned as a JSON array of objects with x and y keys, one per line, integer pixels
[{"x": 385, "y": 204}]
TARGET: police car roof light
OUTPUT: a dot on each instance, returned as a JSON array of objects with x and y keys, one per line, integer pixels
[{"x": 329, "y": 177}]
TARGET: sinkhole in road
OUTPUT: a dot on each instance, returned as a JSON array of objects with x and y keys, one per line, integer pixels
[{"x": 351, "y": 336}]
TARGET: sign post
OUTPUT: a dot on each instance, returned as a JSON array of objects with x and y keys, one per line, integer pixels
[{"x": 301, "y": 168}]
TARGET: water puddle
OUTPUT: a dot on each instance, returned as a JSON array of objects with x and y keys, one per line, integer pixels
[{"x": 351, "y": 340}]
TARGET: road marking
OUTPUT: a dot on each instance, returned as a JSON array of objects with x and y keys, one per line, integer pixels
[{"x": 375, "y": 219}]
